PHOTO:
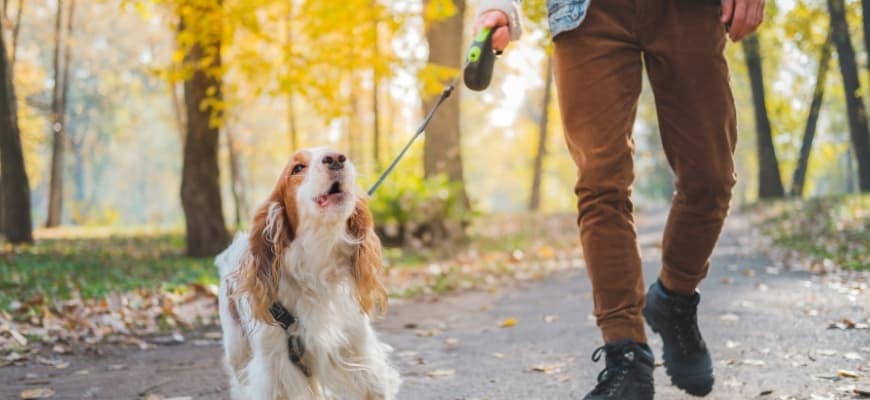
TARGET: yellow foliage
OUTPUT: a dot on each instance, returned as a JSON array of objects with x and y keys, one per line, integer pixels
[
  {"x": 437, "y": 10},
  {"x": 433, "y": 77}
]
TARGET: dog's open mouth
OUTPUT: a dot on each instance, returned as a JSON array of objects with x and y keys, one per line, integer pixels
[
  {"x": 332, "y": 196},
  {"x": 335, "y": 188}
]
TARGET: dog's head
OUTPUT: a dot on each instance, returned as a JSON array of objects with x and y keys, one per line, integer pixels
[{"x": 317, "y": 190}]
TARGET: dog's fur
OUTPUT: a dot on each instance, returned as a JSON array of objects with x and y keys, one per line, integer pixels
[{"x": 315, "y": 252}]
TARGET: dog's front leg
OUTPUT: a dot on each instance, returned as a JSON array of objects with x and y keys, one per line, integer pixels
[
  {"x": 384, "y": 380},
  {"x": 271, "y": 375}
]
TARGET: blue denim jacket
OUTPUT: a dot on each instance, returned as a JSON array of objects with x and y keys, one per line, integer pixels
[{"x": 565, "y": 15}]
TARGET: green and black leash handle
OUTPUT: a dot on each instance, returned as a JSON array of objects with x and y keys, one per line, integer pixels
[{"x": 477, "y": 74}]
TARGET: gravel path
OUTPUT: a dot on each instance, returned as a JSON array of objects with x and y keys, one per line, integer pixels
[{"x": 768, "y": 328}]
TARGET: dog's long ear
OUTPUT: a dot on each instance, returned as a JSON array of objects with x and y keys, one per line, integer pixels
[
  {"x": 270, "y": 234},
  {"x": 367, "y": 263}
]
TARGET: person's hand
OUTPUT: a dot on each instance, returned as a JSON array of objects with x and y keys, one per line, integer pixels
[
  {"x": 744, "y": 16},
  {"x": 497, "y": 21}
]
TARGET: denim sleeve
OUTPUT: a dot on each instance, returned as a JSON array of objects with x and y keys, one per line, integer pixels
[
  {"x": 565, "y": 15},
  {"x": 509, "y": 7}
]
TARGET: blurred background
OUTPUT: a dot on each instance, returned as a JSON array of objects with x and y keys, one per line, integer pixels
[{"x": 131, "y": 117}]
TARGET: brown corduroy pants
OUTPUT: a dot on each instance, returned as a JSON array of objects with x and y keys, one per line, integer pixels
[{"x": 598, "y": 69}]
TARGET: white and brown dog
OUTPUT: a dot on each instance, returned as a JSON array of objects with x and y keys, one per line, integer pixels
[{"x": 310, "y": 263}]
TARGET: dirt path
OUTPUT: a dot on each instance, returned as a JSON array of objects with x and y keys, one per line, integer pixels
[{"x": 768, "y": 329}]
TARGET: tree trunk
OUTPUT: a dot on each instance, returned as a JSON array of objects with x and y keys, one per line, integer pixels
[
  {"x": 237, "y": 184},
  {"x": 14, "y": 185},
  {"x": 442, "y": 153},
  {"x": 178, "y": 110},
  {"x": 15, "y": 31},
  {"x": 858, "y": 130},
  {"x": 291, "y": 109},
  {"x": 354, "y": 143},
  {"x": 200, "y": 181},
  {"x": 769, "y": 179},
  {"x": 543, "y": 128},
  {"x": 55, "y": 188},
  {"x": 865, "y": 8},
  {"x": 800, "y": 171},
  {"x": 376, "y": 122}
]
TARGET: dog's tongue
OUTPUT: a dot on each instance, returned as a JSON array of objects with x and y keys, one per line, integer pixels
[{"x": 322, "y": 200}]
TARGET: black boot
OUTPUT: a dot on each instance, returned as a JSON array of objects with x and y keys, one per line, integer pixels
[
  {"x": 628, "y": 374},
  {"x": 675, "y": 318}
]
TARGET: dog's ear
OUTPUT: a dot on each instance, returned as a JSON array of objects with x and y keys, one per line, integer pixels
[
  {"x": 367, "y": 263},
  {"x": 270, "y": 234}
]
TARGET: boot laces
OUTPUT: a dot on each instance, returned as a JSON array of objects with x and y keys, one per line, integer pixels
[
  {"x": 686, "y": 330},
  {"x": 613, "y": 375}
]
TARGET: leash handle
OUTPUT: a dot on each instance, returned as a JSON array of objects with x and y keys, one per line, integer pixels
[
  {"x": 444, "y": 95},
  {"x": 479, "y": 61}
]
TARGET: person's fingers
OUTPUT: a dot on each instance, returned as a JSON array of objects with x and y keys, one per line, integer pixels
[
  {"x": 490, "y": 19},
  {"x": 727, "y": 10},
  {"x": 494, "y": 18},
  {"x": 500, "y": 38},
  {"x": 759, "y": 15},
  {"x": 739, "y": 22}
]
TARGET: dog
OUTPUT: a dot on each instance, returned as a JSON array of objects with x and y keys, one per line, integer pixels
[{"x": 299, "y": 290}]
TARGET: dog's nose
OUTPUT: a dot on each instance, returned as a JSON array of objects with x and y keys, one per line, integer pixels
[{"x": 335, "y": 161}]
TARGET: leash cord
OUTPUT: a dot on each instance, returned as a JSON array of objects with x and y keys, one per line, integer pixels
[{"x": 422, "y": 128}]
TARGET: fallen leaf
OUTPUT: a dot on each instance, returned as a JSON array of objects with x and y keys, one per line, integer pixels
[
  {"x": 37, "y": 393},
  {"x": 22, "y": 341},
  {"x": 765, "y": 392},
  {"x": 545, "y": 368},
  {"x": 729, "y": 317},
  {"x": 754, "y": 363},
  {"x": 508, "y": 323},
  {"x": 847, "y": 374},
  {"x": 427, "y": 332},
  {"x": 438, "y": 373}
]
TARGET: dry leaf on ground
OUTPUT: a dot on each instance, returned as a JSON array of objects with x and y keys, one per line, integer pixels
[
  {"x": 509, "y": 322},
  {"x": 37, "y": 393}
]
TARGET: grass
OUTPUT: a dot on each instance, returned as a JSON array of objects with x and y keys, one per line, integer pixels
[
  {"x": 91, "y": 265},
  {"x": 95, "y": 262},
  {"x": 836, "y": 229}
]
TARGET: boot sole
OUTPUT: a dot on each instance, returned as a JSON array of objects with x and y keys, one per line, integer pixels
[{"x": 686, "y": 383}]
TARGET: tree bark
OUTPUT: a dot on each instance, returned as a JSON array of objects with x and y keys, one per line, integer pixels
[
  {"x": 55, "y": 187},
  {"x": 442, "y": 153},
  {"x": 865, "y": 12},
  {"x": 858, "y": 129},
  {"x": 291, "y": 109},
  {"x": 543, "y": 128},
  {"x": 15, "y": 31},
  {"x": 376, "y": 101},
  {"x": 237, "y": 184},
  {"x": 769, "y": 179},
  {"x": 14, "y": 185},
  {"x": 200, "y": 185},
  {"x": 800, "y": 171}
]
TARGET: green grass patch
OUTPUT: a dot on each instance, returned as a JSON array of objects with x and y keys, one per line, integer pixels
[
  {"x": 835, "y": 229},
  {"x": 63, "y": 266}
]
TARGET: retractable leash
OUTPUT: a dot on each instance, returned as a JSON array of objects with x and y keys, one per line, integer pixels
[{"x": 477, "y": 73}]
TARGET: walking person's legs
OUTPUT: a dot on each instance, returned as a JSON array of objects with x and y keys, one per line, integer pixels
[
  {"x": 689, "y": 75},
  {"x": 598, "y": 71}
]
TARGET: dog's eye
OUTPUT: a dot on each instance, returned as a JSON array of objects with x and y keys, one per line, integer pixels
[{"x": 297, "y": 169}]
